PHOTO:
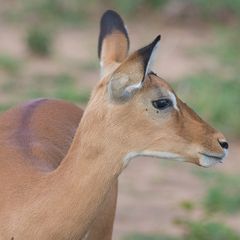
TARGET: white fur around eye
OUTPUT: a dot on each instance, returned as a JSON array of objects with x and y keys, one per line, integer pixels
[{"x": 174, "y": 100}]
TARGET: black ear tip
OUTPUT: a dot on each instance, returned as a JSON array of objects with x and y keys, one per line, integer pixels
[
  {"x": 157, "y": 39},
  {"x": 110, "y": 21},
  {"x": 109, "y": 14}
]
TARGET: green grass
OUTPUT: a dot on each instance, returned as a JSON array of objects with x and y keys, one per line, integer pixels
[
  {"x": 223, "y": 195},
  {"x": 195, "y": 230},
  {"x": 215, "y": 95},
  {"x": 91, "y": 65},
  {"x": 78, "y": 11},
  {"x": 187, "y": 205},
  {"x": 49, "y": 12},
  {"x": 61, "y": 86},
  {"x": 71, "y": 93},
  {"x": 4, "y": 107},
  {"x": 39, "y": 41},
  {"x": 149, "y": 237},
  {"x": 204, "y": 230},
  {"x": 213, "y": 9},
  {"x": 128, "y": 7},
  {"x": 66, "y": 89},
  {"x": 215, "y": 99},
  {"x": 9, "y": 64},
  {"x": 223, "y": 192},
  {"x": 226, "y": 50}
]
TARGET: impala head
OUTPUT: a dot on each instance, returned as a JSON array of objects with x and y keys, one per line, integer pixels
[{"x": 141, "y": 111}]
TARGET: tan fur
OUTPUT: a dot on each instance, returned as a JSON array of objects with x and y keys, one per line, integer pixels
[
  {"x": 56, "y": 186},
  {"x": 114, "y": 51},
  {"x": 114, "y": 48}
]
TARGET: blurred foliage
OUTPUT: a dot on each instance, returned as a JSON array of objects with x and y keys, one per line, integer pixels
[
  {"x": 218, "y": 8},
  {"x": 215, "y": 94},
  {"x": 187, "y": 206},
  {"x": 39, "y": 41},
  {"x": 214, "y": 98},
  {"x": 149, "y": 237},
  {"x": 91, "y": 65},
  {"x": 195, "y": 230},
  {"x": 64, "y": 86},
  {"x": 4, "y": 107},
  {"x": 205, "y": 9},
  {"x": 227, "y": 50},
  {"x": 47, "y": 12},
  {"x": 9, "y": 64},
  {"x": 77, "y": 11},
  {"x": 223, "y": 193},
  {"x": 61, "y": 85},
  {"x": 204, "y": 230},
  {"x": 128, "y": 7}
]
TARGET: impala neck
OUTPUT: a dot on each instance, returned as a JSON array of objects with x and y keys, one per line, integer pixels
[{"x": 79, "y": 186}]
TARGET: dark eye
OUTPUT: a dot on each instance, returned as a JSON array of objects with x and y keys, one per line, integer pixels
[{"x": 162, "y": 103}]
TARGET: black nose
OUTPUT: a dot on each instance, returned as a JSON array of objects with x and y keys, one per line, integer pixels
[{"x": 223, "y": 144}]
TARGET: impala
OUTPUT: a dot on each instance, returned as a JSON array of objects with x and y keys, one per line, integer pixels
[{"x": 59, "y": 178}]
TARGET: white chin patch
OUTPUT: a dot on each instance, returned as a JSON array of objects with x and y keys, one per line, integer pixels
[
  {"x": 155, "y": 154},
  {"x": 205, "y": 161}
]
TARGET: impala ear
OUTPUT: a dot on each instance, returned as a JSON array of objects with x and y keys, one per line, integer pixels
[
  {"x": 113, "y": 41},
  {"x": 129, "y": 76}
]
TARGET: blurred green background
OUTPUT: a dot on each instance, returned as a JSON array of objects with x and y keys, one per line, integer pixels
[{"x": 48, "y": 49}]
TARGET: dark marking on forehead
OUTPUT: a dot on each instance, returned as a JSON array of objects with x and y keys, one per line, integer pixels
[
  {"x": 153, "y": 73},
  {"x": 23, "y": 134}
]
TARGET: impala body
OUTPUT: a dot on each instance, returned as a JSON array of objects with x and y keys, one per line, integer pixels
[{"x": 59, "y": 178}]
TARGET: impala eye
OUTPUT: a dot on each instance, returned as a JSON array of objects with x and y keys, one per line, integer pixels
[{"x": 162, "y": 104}]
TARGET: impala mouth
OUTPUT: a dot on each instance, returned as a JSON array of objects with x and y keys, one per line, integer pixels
[
  {"x": 217, "y": 157},
  {"x": 208, "y": 159}
]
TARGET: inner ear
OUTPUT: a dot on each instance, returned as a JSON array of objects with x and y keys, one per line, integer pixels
[{"x": 129, "y": 76}]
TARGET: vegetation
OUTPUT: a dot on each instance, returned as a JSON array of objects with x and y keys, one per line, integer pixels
[
  {"x": 226, "y": 49},
  {"x": 219, "y": 8},
  {"x": 214, "y": 98},
  {"x": 149, "y": 237},
  {"x": 9, "y": 64},
  {"x": 204, "y": 230},
  {"x": 39, "y": 41},
  {"x": 225, "y": 197},
  {"x": 216, "y": 93},
  {"x": 62, "y": 86},
  {"x": 77, "y": 11},
  {"x": 196, "y": 230},
  {"x": 223, "y": 193}
]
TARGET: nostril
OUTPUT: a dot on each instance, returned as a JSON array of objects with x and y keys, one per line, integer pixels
[{"x": 223, "y": 144}]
